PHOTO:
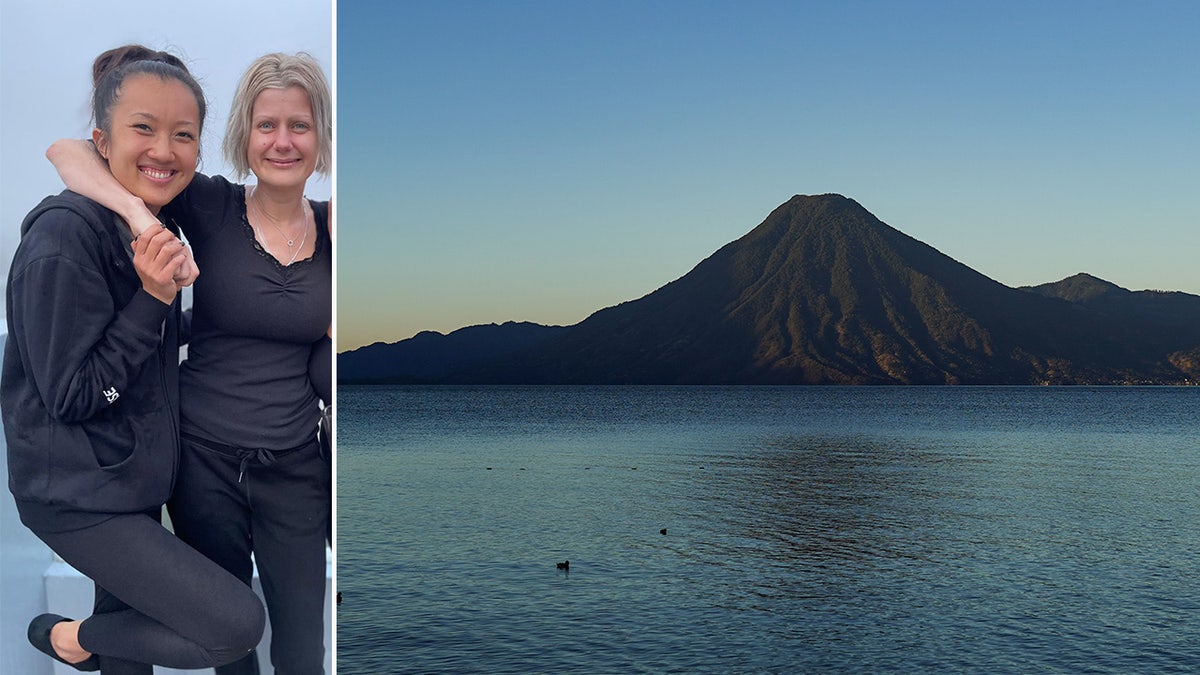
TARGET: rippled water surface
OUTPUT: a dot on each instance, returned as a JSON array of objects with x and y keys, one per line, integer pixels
[{"x": 946, "y": 529}]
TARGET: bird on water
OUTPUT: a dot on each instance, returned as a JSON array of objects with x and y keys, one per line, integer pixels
[{"x": 564, "y": 565}]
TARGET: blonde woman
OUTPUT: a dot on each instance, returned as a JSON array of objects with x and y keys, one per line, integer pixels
[{"x": 252, "y": 478}]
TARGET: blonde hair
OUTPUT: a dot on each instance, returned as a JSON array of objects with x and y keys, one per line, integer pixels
[{"x": 279, "y": 71}]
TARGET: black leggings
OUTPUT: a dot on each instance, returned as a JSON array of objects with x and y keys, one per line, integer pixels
[
  {"x": 158, "y": 601},
  {"x": 229, "y": 502}
]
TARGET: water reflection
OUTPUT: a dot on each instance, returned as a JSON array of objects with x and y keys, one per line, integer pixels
[{"x": 815, "y": 500}]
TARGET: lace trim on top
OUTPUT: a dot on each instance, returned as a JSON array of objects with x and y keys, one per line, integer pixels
[{"x": 248, "y": 230}]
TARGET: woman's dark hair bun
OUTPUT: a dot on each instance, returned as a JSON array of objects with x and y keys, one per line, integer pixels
[
  {"x": 113, "y": 67},
  {"x": 119, "y": 56}
]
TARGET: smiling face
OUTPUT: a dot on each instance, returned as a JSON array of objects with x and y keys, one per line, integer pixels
[
  {"x": 153, "y": 141},
  {"x": 282, "y": 151}
]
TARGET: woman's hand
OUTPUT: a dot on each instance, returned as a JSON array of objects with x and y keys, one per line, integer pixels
[
  {"x": 158, "y": 257},
  {"x": 139, "y": 218},
  {"x": 142, "y": 221},
  {"x": 188, "y": 271}
]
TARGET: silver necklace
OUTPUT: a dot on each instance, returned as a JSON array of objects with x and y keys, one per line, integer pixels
[{"x": 291, "y": 241}]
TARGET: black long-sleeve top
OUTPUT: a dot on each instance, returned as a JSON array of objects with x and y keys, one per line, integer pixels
[{"x": 245, "y": 382}]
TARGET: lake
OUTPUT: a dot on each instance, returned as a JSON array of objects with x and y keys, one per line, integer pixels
[{"x": 768, "y": 529}]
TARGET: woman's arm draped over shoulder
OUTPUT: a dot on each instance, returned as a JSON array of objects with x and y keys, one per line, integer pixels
[{"x": 83, "y": 170}]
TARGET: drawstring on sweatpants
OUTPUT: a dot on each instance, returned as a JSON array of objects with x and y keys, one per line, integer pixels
[{"x": 264, "y": 456}]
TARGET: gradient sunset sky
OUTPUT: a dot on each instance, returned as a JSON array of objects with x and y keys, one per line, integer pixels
[{"x": 541, "y": 160}]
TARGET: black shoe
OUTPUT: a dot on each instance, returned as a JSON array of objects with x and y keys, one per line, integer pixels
[{"x": 39, "y": 636}]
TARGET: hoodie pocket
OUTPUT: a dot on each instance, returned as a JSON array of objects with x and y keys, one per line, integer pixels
[
  {"x": 122, "y": 461},
  {"x": 112, "y": 438}
]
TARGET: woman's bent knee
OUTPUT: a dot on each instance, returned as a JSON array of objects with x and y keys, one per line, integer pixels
[
  {"x": 250, "y": 623},
  {"x": 242, "y": 622}
]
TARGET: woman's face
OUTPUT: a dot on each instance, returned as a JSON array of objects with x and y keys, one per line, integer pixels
[
  {"x": 153, "y": 143},
  {"x": 283, "y": 143}
]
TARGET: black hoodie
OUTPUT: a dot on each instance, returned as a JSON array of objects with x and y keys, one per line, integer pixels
[{"x": 90, "y": 380}]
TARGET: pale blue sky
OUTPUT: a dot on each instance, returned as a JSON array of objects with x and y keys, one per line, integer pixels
[{"x": 540, "y": 160}]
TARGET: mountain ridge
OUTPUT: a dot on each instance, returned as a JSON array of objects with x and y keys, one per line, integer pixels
[{"x": 823, "y": 292}]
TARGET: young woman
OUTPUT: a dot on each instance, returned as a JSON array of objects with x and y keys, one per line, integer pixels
[
  {"x": 252, "y": 477},
  {"x": 89, "y": 392}
]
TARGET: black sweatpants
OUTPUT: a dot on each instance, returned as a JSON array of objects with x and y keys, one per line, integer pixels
[
  {"x": 158, "y": 601},
  {"x": 230, "y": 502}
]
